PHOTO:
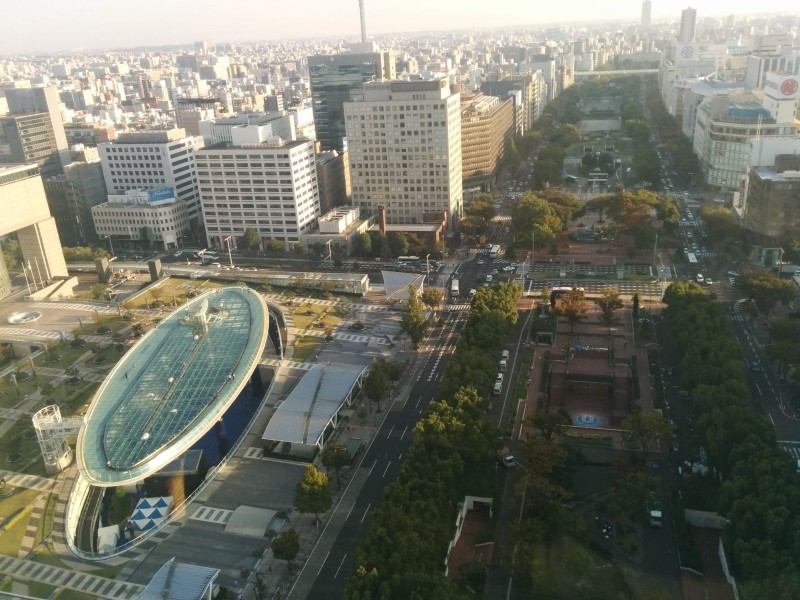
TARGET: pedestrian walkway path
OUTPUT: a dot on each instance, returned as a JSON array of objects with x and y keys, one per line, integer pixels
[
  {"x": 277, "y": 362},
  {"x": 77, "y": 306},
  {"x": 458, "y": 306},
  {"x": 102, "y": 587},
  {"x": 14, "y": 414},
  {"x": 37, "y": 513},
  {"x": 209, "y": 514},
  {"x": 49, "y": 335},
  {"x": 31, "y": 482},
  {"x": 254, "y": 453},
  {"x": 303, "y": 300}
]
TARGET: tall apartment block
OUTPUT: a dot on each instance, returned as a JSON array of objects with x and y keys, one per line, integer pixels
[
  {"x": 647, "y": 8},
  {"x": 404, "y": 140},
  {"x": 339, "y": 78},
  {"x": 688, "y": 23},
  {"x": 145, "y": 160},
  {"x": 258, "y": 182},
  {"x": 25, "y": 211},
  {"x": 487, "y": 124}
]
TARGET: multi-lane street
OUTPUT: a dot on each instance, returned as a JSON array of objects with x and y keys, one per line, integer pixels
[{"x": 330, "y": 562}]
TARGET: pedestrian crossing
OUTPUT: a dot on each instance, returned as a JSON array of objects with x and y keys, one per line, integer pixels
[
  {"x": 48, "y": 335},
  {"x": 78, "y": 306},
  {"x": 31, "y": 482},
  {"x": 209, "y": 514},
  {"x": 92, "y": 585},
  {"x": 458, "y": 307},
  {"x": 254, "y": 453},
  {"x": 793, "y": 448}
]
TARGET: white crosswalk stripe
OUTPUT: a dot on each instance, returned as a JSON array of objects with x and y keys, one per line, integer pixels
[
  {"x": 209, "y": 514},
  {"x": 255, "y": 453}
]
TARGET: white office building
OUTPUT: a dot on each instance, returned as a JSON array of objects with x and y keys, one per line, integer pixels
[
  {"x": 154, "y": 159},
  {"x": 152, "y": 217},
  {"x": 258, "y": 182},
  {"x": 404, "y": 139}
]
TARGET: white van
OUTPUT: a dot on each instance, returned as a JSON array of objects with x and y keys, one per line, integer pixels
[
  {"x": 503, "y": 365},
  {"x": 498, "y": 388},
  {"x": 505, "y": 355}
]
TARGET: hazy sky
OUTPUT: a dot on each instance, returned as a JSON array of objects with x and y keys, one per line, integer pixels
[{"x": 53, "y": 25}]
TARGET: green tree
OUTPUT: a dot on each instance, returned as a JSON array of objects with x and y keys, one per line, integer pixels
[
  {"x": 766, "y": 290},
  {"x": 313, "y": 494},
  {"x": 432, "y": 298},
  {"x": 414, "y": 322},
  {"x": 551, "y": 425},
  {"x": 250, "y": 240},
  {"x": 376, "y": 384},
  {"x": 100, "y": 291},
  {"x": 633, "y": 493},
  {"x": 646, "y": 429},
  {"x": 335, "y": 456},
  {"x": 609, "y": 302},
  {"x": 12, "y": 254},
  {"x": 286, "y": 545},
  {"x": 572, "y": 306},
  {"x": 364, "y": 244},
  {"x": 398, "y": 243},
  {"x": 636, "y": 306}
]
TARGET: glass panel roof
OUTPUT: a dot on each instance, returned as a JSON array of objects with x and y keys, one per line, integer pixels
[{"x": 173, "y": 386}]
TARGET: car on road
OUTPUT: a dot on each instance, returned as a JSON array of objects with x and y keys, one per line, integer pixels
[
  {"x": 755, "y": 366},
  {"x": 481, "y": 261},
  {"x": 508, "y": 269},
  {"x": 178, "y": 253},
  {"x": 507, "y": 461}
]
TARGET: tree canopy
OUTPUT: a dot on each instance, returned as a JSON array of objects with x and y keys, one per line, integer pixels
[{"x": 313, "y": 494}]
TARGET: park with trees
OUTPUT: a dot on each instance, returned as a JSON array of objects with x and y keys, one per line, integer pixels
[{"x": 759, "y": 493}]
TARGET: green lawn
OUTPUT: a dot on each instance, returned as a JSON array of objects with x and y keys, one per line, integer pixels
[
  {"x": 304, "y": 347},
  {"x": 11, "y": 538},
  {"x": 69, "y": 355},
  {"x": 67, "y": 594}
]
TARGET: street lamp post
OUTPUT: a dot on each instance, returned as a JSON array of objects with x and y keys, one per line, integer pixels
[
  {"x": 427, "y": 268},
  {"x": 230, "y": 257},
  {"x": 110, "y": 244}
]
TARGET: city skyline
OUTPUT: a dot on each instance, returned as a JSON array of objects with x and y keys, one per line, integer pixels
[{"x": 88, "y": 25}]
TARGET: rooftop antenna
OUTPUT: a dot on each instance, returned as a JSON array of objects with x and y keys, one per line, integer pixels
[{"x": 363, "y": 22}]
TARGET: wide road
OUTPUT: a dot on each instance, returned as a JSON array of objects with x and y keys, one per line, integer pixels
[{"x": 324, "y": 573}]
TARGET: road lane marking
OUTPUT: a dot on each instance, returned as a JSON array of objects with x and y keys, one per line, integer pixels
[
  {"x": 322, "y": 566},
  {"x": 386, "y": 469},
  {"x": 390, "y": 432},
  {"x": 340, "y": 567},
  {"x": 771, "y": 419},
  {"x": 404, "y": 432},
  {"x": 759, "y": 390},
  {"x": 372, "y": 467},
  {"x": 365, "y": 512}
]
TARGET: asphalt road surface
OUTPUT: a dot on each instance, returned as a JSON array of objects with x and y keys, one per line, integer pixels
[{"x": 330, "y": 562}]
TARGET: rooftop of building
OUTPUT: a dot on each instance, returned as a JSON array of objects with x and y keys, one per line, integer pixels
[
  {"x": 783, "y": 176},
  {"x": 266, "y": 145},
  {"x": 172, "y": 386}
]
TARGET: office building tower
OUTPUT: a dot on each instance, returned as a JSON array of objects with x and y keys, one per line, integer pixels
[
  {"x": 72, "y": 195},
  {"x": 772, "y": 210},
  {"x": 487, "y": 124},
  {"x": 688, "y": 22},
  {"x": 30, "y": 139},
  {"x": 153, "y": 218},
  {"x": 144, "y": 160},
  {"x": 533, "y": 94},
  {"x": 647, "y": 7},
  {"x": 404, "y": 139},
  {"x": 261, "y": 183},
  {"x": 25, "y": 211},
  {"x": 363, "y": 21},
  {"x": 333, "y": 175},
  {"x": 338, "y": 78}
]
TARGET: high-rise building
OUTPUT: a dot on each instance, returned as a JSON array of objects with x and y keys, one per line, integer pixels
[
  {"x": 487, "y": 124},
  {"x": 333, "y": 175},
  {"x": 144, "y": 160},
  {"x": 772, "y": 207},
  {"x": 404, "y": 139},
  {"x": 25, "y": 211},
  {"x": 30, "y": 139},
  {"x": 72, "y": 195},
  {"x": 255, "y": 182},
  {"x": 534, "y": 96},
  {"x": 647, "y": 7},
  {"x": 688, "y": 23},
  {"x": 338, "y": 78}
]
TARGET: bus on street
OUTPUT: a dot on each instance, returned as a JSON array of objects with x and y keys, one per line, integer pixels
[{"x": 454, "y": 289}]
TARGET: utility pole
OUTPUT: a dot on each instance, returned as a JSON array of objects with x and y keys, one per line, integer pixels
[{"x": 230, "y": 256}]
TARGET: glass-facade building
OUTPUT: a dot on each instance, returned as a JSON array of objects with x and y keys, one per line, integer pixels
[{"x": 339, "y": 78}]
